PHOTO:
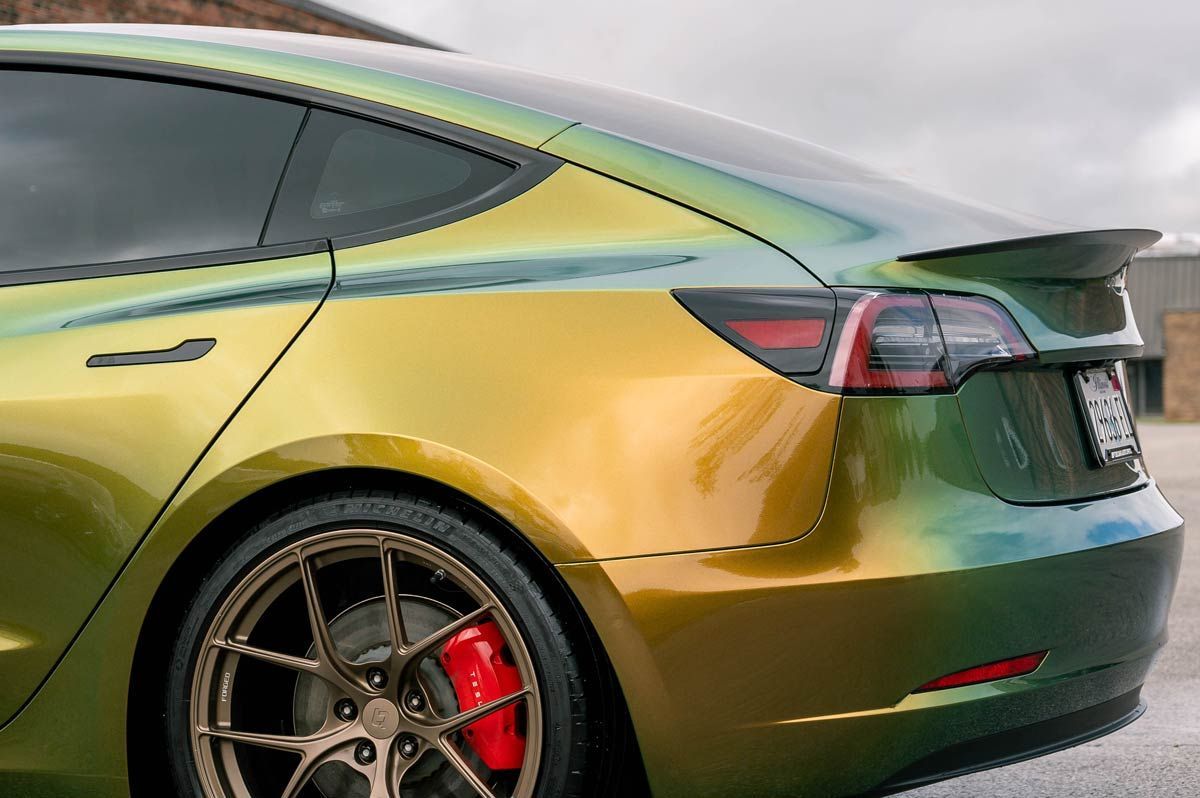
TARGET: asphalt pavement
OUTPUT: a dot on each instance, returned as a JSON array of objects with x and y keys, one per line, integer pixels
[{"x": 1159, "y": 755}]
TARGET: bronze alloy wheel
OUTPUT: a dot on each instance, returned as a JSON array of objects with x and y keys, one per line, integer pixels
[{"x": 327, "y": 671}]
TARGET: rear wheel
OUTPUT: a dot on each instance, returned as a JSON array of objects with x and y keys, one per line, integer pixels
[{"x": 376, "y": 646}]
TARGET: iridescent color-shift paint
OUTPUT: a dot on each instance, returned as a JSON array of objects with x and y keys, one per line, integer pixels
[{"x": 772, "y": 567}]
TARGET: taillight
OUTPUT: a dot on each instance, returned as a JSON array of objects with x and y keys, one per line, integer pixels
[
  {"x": 889, "y": 344},
  {"x": 856, "y": 341},
  {"x": 787, "y": 329},
  {"x": 977, "y": 331}
]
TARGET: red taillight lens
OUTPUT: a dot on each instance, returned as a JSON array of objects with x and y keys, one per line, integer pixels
[
  {"x": 890, "y": 342},
  {"x": 787, "y": 329},
  {"x": 780, "y": 333},
  {"x": 993, "y": 671},
  {"x": 883, "y": 341}
]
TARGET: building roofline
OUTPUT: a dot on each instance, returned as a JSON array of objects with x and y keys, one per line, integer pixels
[
  {"x": 1174, "y": 245},
  {"x": 358, "y": 23}
]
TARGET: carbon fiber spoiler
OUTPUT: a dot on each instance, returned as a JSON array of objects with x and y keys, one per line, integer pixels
[{"x": 1080, "y": 255}]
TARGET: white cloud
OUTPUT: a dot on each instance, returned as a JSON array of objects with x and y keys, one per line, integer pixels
[{"x": 1170, "y": 149}]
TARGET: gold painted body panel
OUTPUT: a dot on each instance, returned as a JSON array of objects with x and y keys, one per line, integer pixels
[
  {"x": 575, "y": 230},
  {"x": 591, "y": 443},
  {"x": 600, "y": 422},
  {"x": 571, "y": 212},
  {"x": 89, "y": 456}
]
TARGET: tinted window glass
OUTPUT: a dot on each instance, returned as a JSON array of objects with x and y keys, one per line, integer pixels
[
  {"x": 350, "y": 176},
  {"x": 98, "y": 169}
]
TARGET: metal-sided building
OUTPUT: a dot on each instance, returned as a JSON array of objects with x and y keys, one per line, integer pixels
[{"x": 1164, "y": 287}]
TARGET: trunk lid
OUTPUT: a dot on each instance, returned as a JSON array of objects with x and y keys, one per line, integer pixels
[
  {"x": 1066, "y": 290},
  {"x": 1030, "y": 440},
  {"x": 1027, "y": 427}
]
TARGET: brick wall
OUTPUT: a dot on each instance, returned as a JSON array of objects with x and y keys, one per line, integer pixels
[
  {"x": 299, "y": 16},
  {"x": 1181, "y": 367}
]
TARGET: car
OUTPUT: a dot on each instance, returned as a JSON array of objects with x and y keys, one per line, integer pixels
[{"x": 380, "y": 422}]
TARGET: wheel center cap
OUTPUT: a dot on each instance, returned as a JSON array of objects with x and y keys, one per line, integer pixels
[{"x": 381, "y": 718}]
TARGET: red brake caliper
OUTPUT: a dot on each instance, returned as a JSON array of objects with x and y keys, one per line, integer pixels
[{"x": 475, "y": 661}]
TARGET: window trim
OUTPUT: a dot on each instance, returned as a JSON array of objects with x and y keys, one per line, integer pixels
[
  {"x": 532, "y": 166},
  {"x": 285, "y": 203},
  {"x": 168, "y": 263}
]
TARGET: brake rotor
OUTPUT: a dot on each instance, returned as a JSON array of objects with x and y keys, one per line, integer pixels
[{"x": 361, "y": 635}]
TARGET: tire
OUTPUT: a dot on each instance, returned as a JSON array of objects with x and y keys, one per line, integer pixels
[{"x": 555, "y": 653}]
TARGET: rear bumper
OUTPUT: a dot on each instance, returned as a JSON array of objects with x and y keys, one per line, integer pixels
[
  {"x": 1016, "y": 745},
  {"x": 743, "y": 675},
  {"x": 789, "y": 670}
]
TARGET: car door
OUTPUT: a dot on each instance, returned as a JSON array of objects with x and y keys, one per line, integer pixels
[{"x": 137, "y": 312}]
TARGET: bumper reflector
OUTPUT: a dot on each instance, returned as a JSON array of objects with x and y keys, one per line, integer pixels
[{"x": 993, "y": 671}]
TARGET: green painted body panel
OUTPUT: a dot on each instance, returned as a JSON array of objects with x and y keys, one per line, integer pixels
[
  {"x": 850, "y": 233},
  {"x": 785, "y": 221},
  {"x": 1029, "y": 439},
  {"x": 89, "y": 456},
  {"x": 914, "y": 571}
]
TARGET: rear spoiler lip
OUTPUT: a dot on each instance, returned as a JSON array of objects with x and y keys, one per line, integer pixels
[{"x": 1134, "y": 239}]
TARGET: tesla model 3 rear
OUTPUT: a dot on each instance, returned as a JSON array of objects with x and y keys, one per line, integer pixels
[{"x": 378, "y": 422}]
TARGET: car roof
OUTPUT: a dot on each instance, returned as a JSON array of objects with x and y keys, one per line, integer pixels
[
  {"x": 835, "y": 215},
  {"x": 654, "y": 121}
]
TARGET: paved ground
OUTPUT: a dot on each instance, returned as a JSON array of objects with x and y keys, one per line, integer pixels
[{"x": 1159, "y": 755}]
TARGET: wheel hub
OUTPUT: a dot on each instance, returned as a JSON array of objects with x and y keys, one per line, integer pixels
[{"x": 381, "y": 719}]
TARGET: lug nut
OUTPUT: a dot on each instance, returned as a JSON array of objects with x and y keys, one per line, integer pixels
[
  {"x": 364, "y": 753},
  {"x": 408, "y": 746},
  {"x": 415, "y": 701},
  {"x": 377, "y": 678},
  {"x": 345, "y": 709}
]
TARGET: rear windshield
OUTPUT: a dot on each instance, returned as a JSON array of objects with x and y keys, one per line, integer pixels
[{"x": 660, "y": 123}]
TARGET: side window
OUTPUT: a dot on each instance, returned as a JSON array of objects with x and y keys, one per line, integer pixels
[
  {"x": 97, "y": 169},
  {"x": 351, "y": 176}
]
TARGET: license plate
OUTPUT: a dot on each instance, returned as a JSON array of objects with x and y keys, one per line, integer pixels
[{"x": 1109, "y": 422}]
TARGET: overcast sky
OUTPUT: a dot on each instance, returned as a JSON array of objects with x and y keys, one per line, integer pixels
[{"x": 1084, "y": 111}]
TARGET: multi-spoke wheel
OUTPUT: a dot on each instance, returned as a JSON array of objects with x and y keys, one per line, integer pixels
[{"x": 365, "y": 648}]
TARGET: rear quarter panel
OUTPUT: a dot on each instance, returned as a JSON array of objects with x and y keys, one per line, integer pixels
[{"x": 536, "y": 353}]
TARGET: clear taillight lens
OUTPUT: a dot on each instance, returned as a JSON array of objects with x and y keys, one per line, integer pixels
[
  {"x": 889, "y": 343},
  {"x": 977, "y": 332},
  {"x": 856, "y": 341}
]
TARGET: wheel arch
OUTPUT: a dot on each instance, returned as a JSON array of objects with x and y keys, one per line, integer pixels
[{"x": 216, "y": 512}]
